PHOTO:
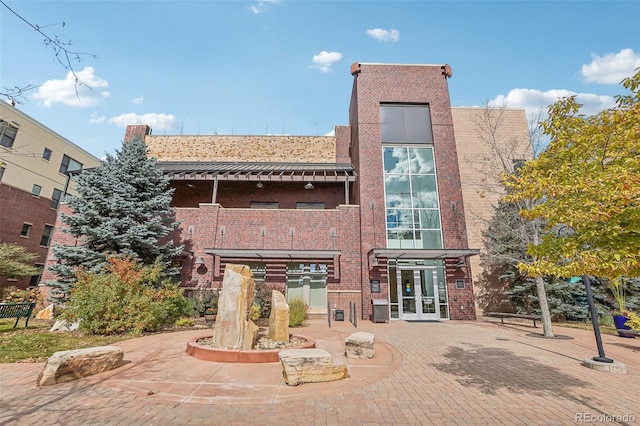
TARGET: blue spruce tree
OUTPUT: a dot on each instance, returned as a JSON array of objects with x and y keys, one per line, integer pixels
[{"x": 123, "y": 208}]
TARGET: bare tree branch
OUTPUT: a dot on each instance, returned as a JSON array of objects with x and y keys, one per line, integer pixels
[{"x": 62, "y": 52}]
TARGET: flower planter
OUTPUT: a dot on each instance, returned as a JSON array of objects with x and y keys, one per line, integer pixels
[{"x": 619, "y": 321}]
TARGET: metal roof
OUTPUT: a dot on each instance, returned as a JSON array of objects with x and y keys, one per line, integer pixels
[
  {"x": 273, "y": 254},
  {"x": 246, "y": 171},
  {"x": 422, "y": 253}
]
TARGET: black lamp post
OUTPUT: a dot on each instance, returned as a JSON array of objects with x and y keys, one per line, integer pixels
[{"x": 594, "y": 320}]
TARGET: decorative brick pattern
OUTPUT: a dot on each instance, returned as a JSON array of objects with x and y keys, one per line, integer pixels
[
  {"x": 14, "y": 203},
  {"x": 375, "y": 84},
  {"x": 209, "y": 223}
]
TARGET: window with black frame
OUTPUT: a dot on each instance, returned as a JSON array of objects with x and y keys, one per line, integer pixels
[
  {"x": 55, "y": 198},
  {"x": 68, "y": 164},
  {"x": 8, "y": 134}
]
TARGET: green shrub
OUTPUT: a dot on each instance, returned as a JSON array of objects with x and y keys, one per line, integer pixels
[
  {"x": 203, "y": 298},
  {"x": 16, "y": 295},
  {"x": 262, "y": 298},
  {"x": 297, "y": 312},
  {"x": 126, "y": 297},
  {"x": 255, "y": 312},
  {"x": 633, "y": 321},
  {"x": 185, "y": 322}
]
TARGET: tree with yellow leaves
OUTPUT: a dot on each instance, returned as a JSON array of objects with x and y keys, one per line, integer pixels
[{"x": 586, "y": 187}]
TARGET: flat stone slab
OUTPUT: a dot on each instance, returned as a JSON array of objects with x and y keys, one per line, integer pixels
[
  {"x": 64, "y": 366},
  {"x": 610, "y": 367},
  {"x": 360, "y": 345},
  {"x": 310, "y": 366}
]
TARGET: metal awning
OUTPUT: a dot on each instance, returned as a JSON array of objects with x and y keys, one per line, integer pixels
[
  {"x": 266, "y": 172},
  {"x": 421, "y": 253},
  {"x": 273, "y": 254}
]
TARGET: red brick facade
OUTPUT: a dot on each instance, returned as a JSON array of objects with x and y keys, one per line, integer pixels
[
  {"x": 15, "y": 202},
  {"x": 218, "y": 226}
]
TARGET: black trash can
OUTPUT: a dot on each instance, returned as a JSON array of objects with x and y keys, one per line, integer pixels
[
  {"x": 338, "y": 315},
  {"x": 380, "y": 310}
]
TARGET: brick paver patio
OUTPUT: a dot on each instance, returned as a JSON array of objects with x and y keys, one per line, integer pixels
[{"x": 447, "y": 373}]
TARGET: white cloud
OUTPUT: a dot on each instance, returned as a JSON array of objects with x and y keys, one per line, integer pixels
[
  {"x": 384, "y": 35},
  {"x": 138, "y": 100},
  {"x": 611, "y": 68},
  {"x": 156, "y": 121},
  {"x": 83, "y": 93},
  {"x": 324, "y": 60},
  {"x": 331, "y": 133},
  {"x": 533, "y": 100},
  {"x": 263, "y": 6},
  {"x": 97, "y": 119}
]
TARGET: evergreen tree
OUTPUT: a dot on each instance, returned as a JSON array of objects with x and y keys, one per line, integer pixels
[
  {"x": 510, "y": 289},
  {"x": 123, "y": 208}
]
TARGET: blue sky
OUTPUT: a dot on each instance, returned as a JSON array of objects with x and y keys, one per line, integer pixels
[{"x": 282, "y": 67}]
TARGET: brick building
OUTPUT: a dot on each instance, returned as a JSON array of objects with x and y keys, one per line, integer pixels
[
  {"x": 34, "y": 166},
  {"x": 374, "y": 213}
]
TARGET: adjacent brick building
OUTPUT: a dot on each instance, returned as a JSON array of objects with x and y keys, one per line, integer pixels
[
  {"x": 34, "y": 166},
  {"x": 374, "y": 213}
]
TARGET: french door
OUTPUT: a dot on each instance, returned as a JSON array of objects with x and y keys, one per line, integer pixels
[{"x": 420, "y": 293}]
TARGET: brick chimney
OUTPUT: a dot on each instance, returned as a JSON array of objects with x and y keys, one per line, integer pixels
[{"x": 136, "y": 130}]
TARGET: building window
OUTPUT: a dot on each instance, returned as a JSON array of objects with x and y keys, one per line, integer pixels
[
  {"x": 36, "y": 190},
  {"x": 46, "y": 236},
  {"x": 411, "y": 198},
  {"x": 7, "y": 134},
  {"x": 55, "y": 198},
  {"x": 35, "y": 279},
  {"x": 406, "y": 123},
  {"x": 26, "y": 230},
  {"x": 46, "y": 154},
  {"x": 259, "y": 271},
  {"x": 308, "y": 281},
  {"x": 69, "y": 165},
  {"x": 310, "y": 206},
  {"x": 264, "y": 205}
]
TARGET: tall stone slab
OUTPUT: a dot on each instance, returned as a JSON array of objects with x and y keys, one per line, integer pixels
[
  {"x": 279, "y": 318},
  {"x": 234, "y": 328}
]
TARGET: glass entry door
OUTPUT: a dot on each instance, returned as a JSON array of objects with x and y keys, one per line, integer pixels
[{"x": 420, "y": 296}]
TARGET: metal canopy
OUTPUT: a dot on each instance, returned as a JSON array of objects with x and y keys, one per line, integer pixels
[
  {"x": 265, "y": 172},
  {"x": 421, "y": 253},
  {"x": 273, "y": 254}
]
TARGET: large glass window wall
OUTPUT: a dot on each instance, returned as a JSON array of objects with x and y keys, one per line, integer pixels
[{"x": 411, "y": 198}]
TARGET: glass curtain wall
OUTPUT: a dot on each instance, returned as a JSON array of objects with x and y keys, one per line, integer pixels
[
  {"x": 411, "y": 198},
  {"x": 411, "y": 192}
]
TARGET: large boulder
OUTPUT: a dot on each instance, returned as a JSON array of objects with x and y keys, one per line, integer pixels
[
  {"x": 309, "y": 366},
  {"x": 47, "y": 313},
  {"x": 65, "y": 366},
  {"x": 234, "y": 328},
  {"x": 279, "y": 318},
  {"x": 64, "y": 326},
  {"x": 360, "y": 345}
]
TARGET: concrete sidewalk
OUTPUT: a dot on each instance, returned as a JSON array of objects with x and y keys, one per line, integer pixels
[{"x": 459, "y": 373}]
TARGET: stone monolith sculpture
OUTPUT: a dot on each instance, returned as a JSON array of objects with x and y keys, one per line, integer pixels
[
  {"x": 234, "y": 328},
  {"x": 279, "y": 318}
]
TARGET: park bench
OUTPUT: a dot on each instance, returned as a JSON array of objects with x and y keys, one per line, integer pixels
[
  {"x": 17, "y": 310},
  {"x": 503, "y": 315}
]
